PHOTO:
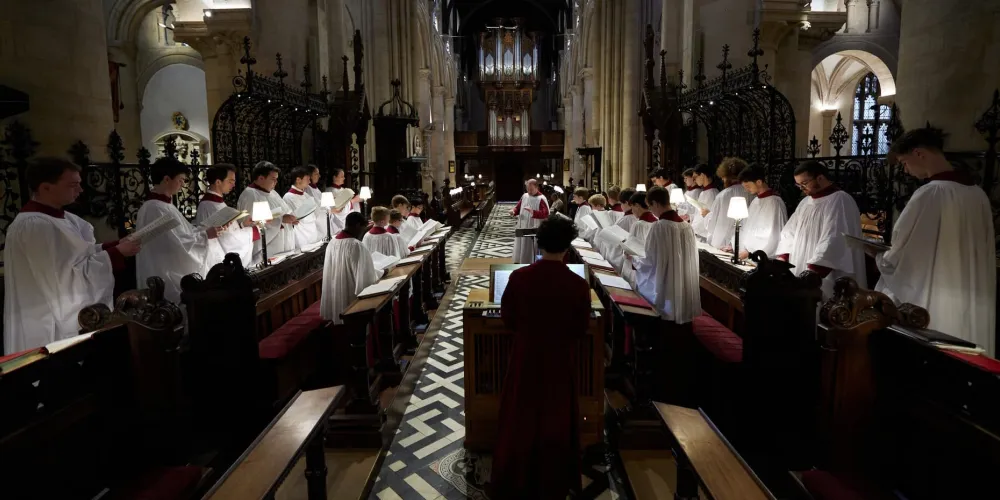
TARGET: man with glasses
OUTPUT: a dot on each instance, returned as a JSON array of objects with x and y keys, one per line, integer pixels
[{"x": 813, "y": 239}]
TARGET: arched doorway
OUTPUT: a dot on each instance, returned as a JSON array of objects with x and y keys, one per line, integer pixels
[{"x": 854, "y": 84}]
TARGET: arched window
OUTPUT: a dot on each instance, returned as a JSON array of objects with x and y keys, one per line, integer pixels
[{"x": 871, "y": 119}]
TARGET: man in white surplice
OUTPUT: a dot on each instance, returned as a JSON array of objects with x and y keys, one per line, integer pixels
[
  {"x": 719, "y": 227},
  {"x": 278, "y": 230},
  {"x": 184, "y": 249},
  {"x": 54, "y": 265},
  {"x": 813, "y": 239},
  {"x": 667, "y": 276},
  {"x": 943, "y": 253},
  {"x": 221, "y": 179},
  {"x": 339, "y": 178},
  {"x": 347, "y": 270},
  {"x": 530, "y": 211},
  {"x": 306, "y": 231},
  {"x": 313, "y": 190},
  {"x": 704, "y": 176},
  {"x": 766, "y": 215}
]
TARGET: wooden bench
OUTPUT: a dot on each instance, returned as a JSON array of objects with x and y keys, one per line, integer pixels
[
  {"x": 297, "y": 430},
  {"x": 706, "y": 460}
]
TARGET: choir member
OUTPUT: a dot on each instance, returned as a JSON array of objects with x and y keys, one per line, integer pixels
[
  {"x": 614, "y": 194},
  {"x": 278, "y": 231},
  {"x": 395, "y": 221},
  {"x": 766, "y": 215},
  {"x": 221, "y": 179},
  {"x": 322, "y": 220},
  {"x": 597, "y": 203},
  {"x": 813, "y": 237},
  {"x": 718, "y": 226},
  {"x": 612, "y": 252},
  {"x": 538, "y": 450},
  {"x": 379, "y": 239},
  {"x": 306, "y": 232},
  {"x": 691, "y": 190},
  {"x": 644, "y": 220},
  {"x": 660, "y": 178},
  {"x": 705, "y": 178},
  {"x": 339, "y": 177},
  {"x": 556, "y": 199},
  {"x": 183, "y": 250},
  {"x": 667, "y": 276},
  {"x": 943, "y": 254},
  {"x": 413, "y": 219},
  {"x": 54, "y": 265},
  {"x": 583, "y": 209},
  {"x": 347, "y": 270},
  {"x": 530, "y": 211},
  {"x": 401, "y": 204}
]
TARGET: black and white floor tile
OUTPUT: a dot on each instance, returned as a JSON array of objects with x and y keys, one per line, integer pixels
[{"x": 426, "y": 459}]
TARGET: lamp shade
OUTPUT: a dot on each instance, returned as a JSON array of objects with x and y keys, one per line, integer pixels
[
  {"x": 480, "y": 176},
  {"x": 676, "y": 196},
  {"x": 640, "y": 188},
  {"x": 558, "y": 189},
  {"x": 737, "y": 208},
  {"x": 473, "y": 184},
  {"x": 261, "y": 211},
  {"x": 326, "y": 199},
  {"x": 366, "y": 193}
]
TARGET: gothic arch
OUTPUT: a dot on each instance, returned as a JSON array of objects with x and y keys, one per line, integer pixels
[
  {"x": 159, "y": 63},
  {"x": 125, "y": 16},
  {"x": 881, "y": 60}
]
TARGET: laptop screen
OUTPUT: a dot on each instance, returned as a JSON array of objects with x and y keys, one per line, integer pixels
[{"x": 500, "y": 275}]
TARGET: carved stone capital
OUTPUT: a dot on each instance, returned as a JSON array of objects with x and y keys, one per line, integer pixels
[
  {"x": 586, "y": 74},
  {"x": 437, "y": 91},
  {"x": 424, "y": 74}
]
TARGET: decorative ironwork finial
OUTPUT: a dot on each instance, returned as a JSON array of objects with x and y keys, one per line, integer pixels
[
  {"x": 813, "y": 148},
  {"x": 116, "y": 148},
  {"x": 894, "y": 129},
  {"x": 398, "y": 108},
  {"x": 988, "y": 124},
  {"x": 839, "y": 136},
  {"x": 700, "y": 76},
  {"x": 754, "y": 53},
  {"x": 80, "y": 154},
  {"x": 143, "y": 155},
  {"x": 247, "y": 59},
  {"x": 325, "y": 92},
  {"x": 725, "y": 66},
  {"x": 663, "y": 69},
  {"x": 358, "y": 57},
  {"x": 307, "y": 79},
  {"x": 280, "y": 73},
  {"x": 347, "y": 83},
  {"x": 647, "y": 46},
  {"x": 195, "y": 161}
]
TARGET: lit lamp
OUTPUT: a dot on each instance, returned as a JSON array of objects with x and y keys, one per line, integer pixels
[
  {"x": 737, "y": 211},
  {"x": 676, "y": 197},
  {"x": 640, "y": 188},
  {"x": 365, "y": 195},
  {"x": 326, "y": 201},
  {"x": 558, "y": 189},
  {"x": 261, "y": 214}
]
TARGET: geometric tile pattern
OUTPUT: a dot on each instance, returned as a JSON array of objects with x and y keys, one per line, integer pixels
[{"x": 426, "y": 459}]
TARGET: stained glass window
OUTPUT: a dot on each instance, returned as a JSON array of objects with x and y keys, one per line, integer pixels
[{"x": 871, "y": 119}]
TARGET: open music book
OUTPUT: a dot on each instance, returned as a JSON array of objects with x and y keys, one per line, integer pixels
[
  {"x": 590, "y": 223},
  {"x": 613, "y": 281},
  {"x": 344, "y": 196},
  {"x": 589, "y": 253},
  {"x": 385, "y": 286},
  {"x": 600, "y": 263},
  {"x": 410, "y": 260},
  {"x": 305, "y": 210},
  {"x": 580, "y": 243},
  {"x": 428, "y": 227},
  {"x": 866, "y": 243},
  {"x": 155, "y": 229},
  {"x": 697, "y": 204},
  {"x": 224, "y": 217},
  {"x": 632, "y": 247},
  {"x": 613, "y": 235},
  {"x": 384, "y": 262},
  {"x": 59, "y": 345},
  {"x": 606, "y": 218}
]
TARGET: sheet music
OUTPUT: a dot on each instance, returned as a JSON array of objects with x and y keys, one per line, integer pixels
[
  {"x": 224, "y": 217},
  {"x": 385, "y": 286},
  {"x": 429, "y": 246},
  {"x": 633, "y": 247},
  {"x": 613, "y": 234},
  {"x": 59, "y": 345},
  {"x": 697, "y": 204},
  {"x": 862, "y": 242},
  {"x": 598, "y": 263},
  {"x": 305, "y": 209},
  {"x": 591, "y": 222},
  {"x": 344, "y": 196},
  {"x": 613, "y": 281},
  {"x": 163, "y": 225},
  {"x": 410, "y": 260},
  {"x": 384, "y": 262},
  {"x": 604, "y": 218},
  {"x": 589, "y": 253},
  {"x": 578, "y": 243}
]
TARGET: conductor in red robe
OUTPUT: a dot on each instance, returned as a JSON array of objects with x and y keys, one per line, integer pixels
[{"x": 537, "y": 455}]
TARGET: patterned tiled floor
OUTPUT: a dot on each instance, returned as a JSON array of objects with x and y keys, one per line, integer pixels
[{"x": 426, "y": 459}]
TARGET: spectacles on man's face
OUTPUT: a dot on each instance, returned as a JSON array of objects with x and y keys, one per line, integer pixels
[{"x": 804, "y": 185}]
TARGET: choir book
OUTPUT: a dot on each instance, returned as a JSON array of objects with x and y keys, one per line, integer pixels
[
  {"x": 385, "y": 286},
  {"x": 155, "y": 229},
  {"x": 697, "y": 204},
  {"x": 305, "y": 209},
  {"x": 866, "y": 243},
  {"x": 633, "y": 247},
  {"x": 343, "y": 197},
  {"x": 224, "y": 217},
  {"x": 613, "y": 235},
  {"x": 384, "y": 262}
]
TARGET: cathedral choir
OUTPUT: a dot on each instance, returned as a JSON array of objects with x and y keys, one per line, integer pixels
[{"x": 530, "y": 211}]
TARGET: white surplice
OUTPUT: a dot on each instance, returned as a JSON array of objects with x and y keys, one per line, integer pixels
[
  {"x": 236, "y": 239},
  {"x": 614, "y": 253},
  {"x": 322, "y": 221},
  {"x": 341, "y": 221},
  {"x": 637, "y": 232},
  {"x": 411, "y": 224},
  {"x": 718, "y": 226},
  {"x": 762, "y": 228},
  {"x": 377, "y": 239},
  {"x": 54, "y": 268},
  {"x": 814, "y": 236},
  {"x": 182, "y": 251},
  {"x": 685, "y": 208},
  {"x": 280, "y": 237},
  {"x": 581, "y": 228},
  {"x": 347, "y": 270},
  {"x": 667, "y": 276},
  {"x": 943, "y": 259},
  {"x": 700, "y": 224},
  {"x": 306, "y": 232},
  {"x": 524, "y": 248},
  {"x": 402, "y": 242}
]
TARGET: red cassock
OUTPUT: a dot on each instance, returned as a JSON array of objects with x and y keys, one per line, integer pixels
[{"x": 537, "y": 455}]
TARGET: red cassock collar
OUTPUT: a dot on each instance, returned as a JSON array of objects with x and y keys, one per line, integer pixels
[
  {"x": 34, "y": 206},
  {"x": 953, "y": 176},
  {"x": 671, "y": 215},
  {"x": 158, "y": 197},
  {"x": 765, "y": 194},
  {"x": 627, "y": 212},
  {"x": 377, "y": 230},
  {"x": 832, "y": 188},
  {"x": 313, "y": 185},
  {"x": 692, "y": 188},
  {"x": 343, "y": 235},
  {"x": 391, "y": 230},
  {"x": 258, "y": 188},
  {"x": 212, "y": 197},
  {"x": 414, "y": 215},
  {"x": 617, "y": 207},
  {"x": 647, "y": 217},
  {"x": 338, "y": 186},
  {"x": 295, "y": 191}
]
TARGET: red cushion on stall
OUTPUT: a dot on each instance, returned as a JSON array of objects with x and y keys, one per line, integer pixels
[
  {"x": 281, "y": 342},
  {"x": 165, "y": 483},
  {"x": 725, "y": 345}
]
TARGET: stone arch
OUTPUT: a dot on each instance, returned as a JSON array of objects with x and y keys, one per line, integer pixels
[
  {"x": 878, "y": 58},
  {"x": 175, "y": 88},
  {"x": 125, "y": 17},
  {"x": 161, "y": 62}
]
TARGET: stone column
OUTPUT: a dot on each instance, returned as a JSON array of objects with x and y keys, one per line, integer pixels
[
  {"x": 579, "y": 138},
  {"x": 794, "y": 80},
  {"x": 590, "y": 118},
  {"x": 437, "y": 156},
  {"x": 336, "y": 47},
  {"x": 948, "y": 67},
  {"x": 282, "y": 26},
  {"x": 567, "y": 126},
  {"x": 58, "y": 55},
  {"x": 449, "y": 137}
]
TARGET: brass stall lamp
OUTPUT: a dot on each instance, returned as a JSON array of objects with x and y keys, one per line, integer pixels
[
  {"x": 260, "y": 215},
  {"x": 365, "y": 195},
  {"x": 326, "y": 201},
  {"x": 640, "y": 188},
  {"x": 676, "y": 197},
  {"x": 737, "y": 211}
]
